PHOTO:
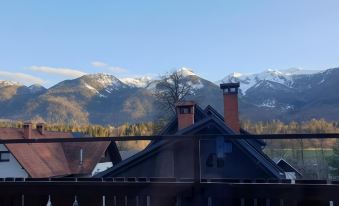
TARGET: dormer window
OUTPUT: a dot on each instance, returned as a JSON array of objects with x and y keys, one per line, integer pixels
[{"x": 4, "y": 156}]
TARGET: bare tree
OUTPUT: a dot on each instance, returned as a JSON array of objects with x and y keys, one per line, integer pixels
[{"x": 171, "y": 89}]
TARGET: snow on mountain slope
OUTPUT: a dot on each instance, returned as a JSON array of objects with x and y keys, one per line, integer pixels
[
  {"x": 299, "y": 71},
  {"x": 196, "y": 84},
  {"x": 150, "y": 82},
  {"x": 35, "y": 88},
  {"x": 138, "y": 82},
  {"x": 90, "y": 85},
  {"x": 192, "y": 78},
  {"x": 99, "y": 83},
  {"x": 4, "y": 83},
  {"x": 248, "y": 80},
  {"x": 105, "y": 80},
  {"x": 184, "y": 71}
]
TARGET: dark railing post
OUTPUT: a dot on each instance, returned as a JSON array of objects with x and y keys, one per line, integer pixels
[
  {"x": 22, "y": 200},
  {"x": 148, "y": 200},
  {"x": 281, "y": 202},
  {"x": 196, "y": 157},
  {"x": 197, "y": 190}
]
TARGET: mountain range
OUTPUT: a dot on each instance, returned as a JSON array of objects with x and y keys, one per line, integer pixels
[{"x": 287, "y": 95}]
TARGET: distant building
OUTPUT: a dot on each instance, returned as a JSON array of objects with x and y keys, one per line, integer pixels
[
  {"x": 219, "y": 157},
  {"x": 290, "y": 172},
  {"x": 50, "y": 159}
]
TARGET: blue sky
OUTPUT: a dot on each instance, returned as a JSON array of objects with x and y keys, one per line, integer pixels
[{"x": 48, "y": 41}]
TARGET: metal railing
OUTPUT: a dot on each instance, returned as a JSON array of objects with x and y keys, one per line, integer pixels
[{"x": 154, "y": 191}]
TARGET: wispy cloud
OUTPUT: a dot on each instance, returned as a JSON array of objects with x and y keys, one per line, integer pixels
[
  {"x": 21, "y": 77},
  {"x": 66, "y": 72},
  {"x": 99, "y": 64},
  {"x": 109, "y": 68}
]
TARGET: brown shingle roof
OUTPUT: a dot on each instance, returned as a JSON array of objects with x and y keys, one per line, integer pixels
[{"x": 54, "y": 159}]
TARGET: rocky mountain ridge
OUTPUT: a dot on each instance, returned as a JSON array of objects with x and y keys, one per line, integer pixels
[{"x": 287, "y": 95}]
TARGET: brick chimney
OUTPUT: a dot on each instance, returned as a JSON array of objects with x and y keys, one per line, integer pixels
[
  {"x": 185, "y": 114},
  {"x": 41, "y": 128},
  {"x": 27, "y": 130},
  {"x": 231, "y": 114}
]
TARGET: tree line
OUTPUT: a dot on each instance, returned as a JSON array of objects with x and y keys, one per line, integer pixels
[
  {"x": 314, "y": 158},
  {"x": 94, "y": 130}
]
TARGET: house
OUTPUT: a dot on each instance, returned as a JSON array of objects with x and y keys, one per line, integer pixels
[
  {"x": 50, "y": 159},
  {"x": 290, "y": 171},
  {"x": 218, "y": 157}
]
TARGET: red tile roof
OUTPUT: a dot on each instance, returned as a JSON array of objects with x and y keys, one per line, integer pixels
[{"x": 54, "y": 159}]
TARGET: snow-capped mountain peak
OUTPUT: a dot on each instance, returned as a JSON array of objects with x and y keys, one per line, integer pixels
[
  {"x": 236, "y": 74},
  {"x": 36, "y": 88},
  {"x": 248, "y": 80},
  {"x": 105, "y": 80},
  {"x": 184, "y": 71},
  {"x": 138, "y": 82},
  {"x": 299, "y": 71},
  {"x": 101, "y": 84},
  {"x": 4, "y": 83}
]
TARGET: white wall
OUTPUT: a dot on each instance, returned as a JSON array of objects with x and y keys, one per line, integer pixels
[
  {"x": 100, "y": 167},
  {"x": 11, "y": 168},
  {"x": 291, "y": 175}
]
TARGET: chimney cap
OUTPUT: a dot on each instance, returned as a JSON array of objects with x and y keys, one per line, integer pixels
[
  {"x": 27, "y": 127},
  {"x": 230, "y": 85},
  {"x": 40, "y": 127},
  {"x": 185, "y": 103},
  {"x": 27, "y": 124}
]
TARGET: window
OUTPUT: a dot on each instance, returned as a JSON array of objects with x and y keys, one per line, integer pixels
[
  {"x": 227, "y": 147},
  {"x": 211, "y": 159},
  {"x": 223, "y": 147},
  {"x": 217, "y": 159},
  {"x": 4, "y": 156}
]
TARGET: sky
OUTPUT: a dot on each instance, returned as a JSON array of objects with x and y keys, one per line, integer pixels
[{"x": 48, "y": 41}]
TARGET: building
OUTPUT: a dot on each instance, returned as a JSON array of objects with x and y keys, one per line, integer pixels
[
  {"x": 218, "y": 157},
  {"x": 51, "y": 159},
  {"x": 290, "y": 171}
]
